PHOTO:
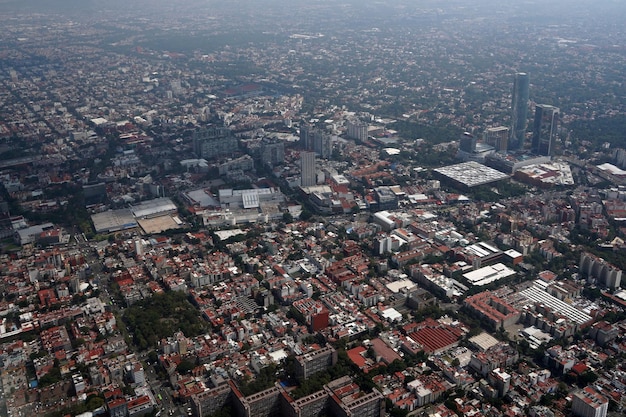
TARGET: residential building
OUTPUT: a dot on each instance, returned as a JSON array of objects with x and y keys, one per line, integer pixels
[
  {"x": 272, "y": 153},
  {"x": 140, "y": 406},
  {"x": 589, "y": 403},
  {"x": 492, "y": 309},
  {"x": 307, "y": 169},
  {"x": 312, "y": 405},
  {"x": 210, "y": 400},
  {"x": 355, "y": 129},
  {"x": 347, "y": 400},
  {"x": 314, "y": 312},
  {"x": 315, "y": 361},
  {"x": 386, "y": 199},
  {"x": 212, "y": 142},
  {"x": 500, "y": 380},
  {"x": 595, "y": 268},
  {"x": 316, "y": 140},
  {"x": 265, "y": 403}
]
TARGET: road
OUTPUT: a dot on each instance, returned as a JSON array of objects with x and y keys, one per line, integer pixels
[{"x": 168, "y": 407}]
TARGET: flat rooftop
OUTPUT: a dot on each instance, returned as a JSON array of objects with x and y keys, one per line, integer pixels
[
  {"x": 488, "y": 274},
  {"x": 113, "y": 220},
  {"x": 158, "y": 224},
  {"x": 153, "y": 207},
  {"x": 471, "y": 174},
  {"x": 202, "y": 198},
  {"x": 536, "y": 294},
  {"x": 484, "y": 341}
]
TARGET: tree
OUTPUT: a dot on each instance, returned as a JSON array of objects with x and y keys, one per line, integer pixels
[
  {"x": 547, "y": 399},
  {"x": 396, "y": 366},
  {"x": 297, "y": 316},
  {"x": 153, "y": 356},
  {"x": 185, "y": 367},
  {"x": 305, "y": 215},
  {"x": 53, "y": 376},
  {"x": 587, "y": 378},
  {"x": 160, "y": 316},
  {"x": 398, "y": 412}
]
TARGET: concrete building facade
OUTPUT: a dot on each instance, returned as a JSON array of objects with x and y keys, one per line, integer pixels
[{"x": 589, "y": 403}]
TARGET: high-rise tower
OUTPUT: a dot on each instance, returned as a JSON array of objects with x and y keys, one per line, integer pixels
[
  {"x": 544, "y": 129},
  {"x": 307, "y": 169},
  {"x": 315, "y": 139},
  {"x": 498, "y": 137},
  {"x": 520, "y": 110}
]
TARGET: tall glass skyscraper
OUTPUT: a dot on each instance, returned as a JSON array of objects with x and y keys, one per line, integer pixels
[
  {"x": 520, "y": 110},
  {"x": 544, "y": 129}
]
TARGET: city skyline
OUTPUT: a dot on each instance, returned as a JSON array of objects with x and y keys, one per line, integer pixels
[{"x": 286, "y": 208}]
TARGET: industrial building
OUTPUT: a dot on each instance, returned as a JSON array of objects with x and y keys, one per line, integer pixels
[
  {"x": 510, "y": 162},
  {"x": 548, "y": 313},
  {"x": 250, "y": 198},
  {"x": 201, "y": 198},
  {"x": 30, "y": 234},
  {"x": 479, "y": 254},
  {"x": 153, "y": 216},
  {"x": 242, "y": 164},
  {"x": 153, "y": 208},
  {"x": 256, "y": 205},
  {"x": 435, "y": 336},
  {"x": 113, "y": 221}
]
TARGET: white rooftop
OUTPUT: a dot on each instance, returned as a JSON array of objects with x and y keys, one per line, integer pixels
[
  {"x": 471, "y": 174},
  {"x": 152, "y": 207},
  {"x": 536, "y": 294},
  {"x": 396, "y": 286},
  {"x": 488, "y": 274},
  {"x": 391, "y": 314}
]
